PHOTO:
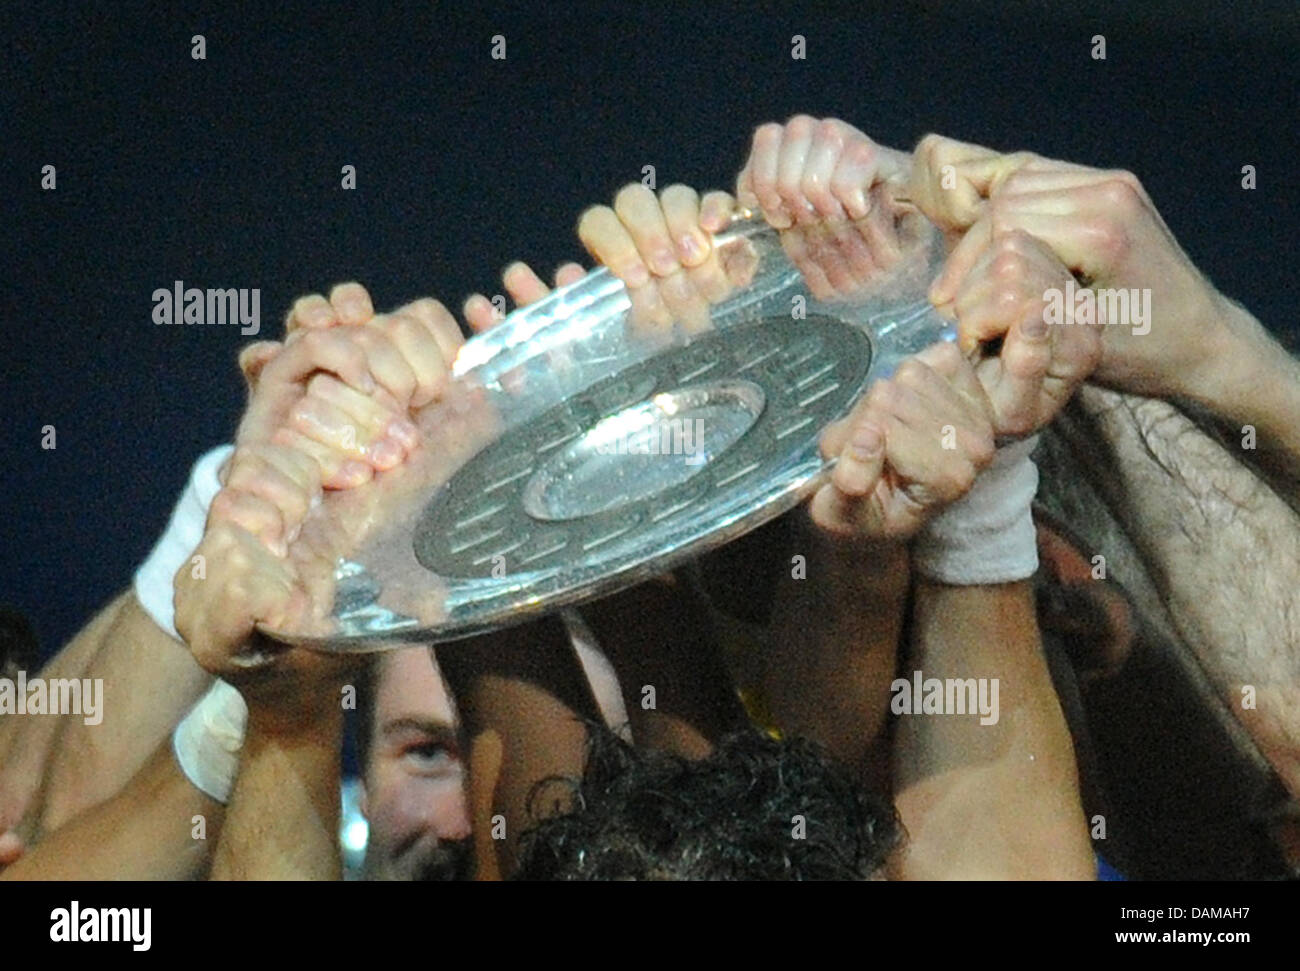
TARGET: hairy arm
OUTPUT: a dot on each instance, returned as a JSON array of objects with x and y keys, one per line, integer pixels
[
  {"x": 1221, "y": 548},
  {"x": 283, "y": 819},
  {"x": 1256, "y": 386}
]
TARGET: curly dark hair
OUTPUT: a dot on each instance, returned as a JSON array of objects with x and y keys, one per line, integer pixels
[{"x": 755, "y": 809}]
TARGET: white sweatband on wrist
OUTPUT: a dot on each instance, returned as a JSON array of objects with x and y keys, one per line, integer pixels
[
  {"x": 154, "y": 580},
  {"x": 207, "y": 741},
  {"x": 988, "y": 535}
]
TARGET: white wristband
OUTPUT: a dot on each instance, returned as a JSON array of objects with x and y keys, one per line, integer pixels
[
  {"x": 207, "y": 741},
  {"x": 988, "y": 535},
  {"x": 154, "y": 579}
]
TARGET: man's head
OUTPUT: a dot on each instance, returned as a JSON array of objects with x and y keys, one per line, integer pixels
[
  {"x": 755, "y": 809},
  {"x": 412, "y": 772}
]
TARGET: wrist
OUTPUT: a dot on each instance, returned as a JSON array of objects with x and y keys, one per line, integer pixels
[
  {"x": 876, "y": 564},
  {"x": 297, "y": 719},
  {"x": 1239, "y": 361},
  {"x": 987, "y": 536}
]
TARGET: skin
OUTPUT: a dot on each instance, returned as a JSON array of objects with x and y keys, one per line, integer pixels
[
  {"x": 150, "y": 680},
  {"x": 658, "y": 635},
  {"x": 1167, "y": 480},
  {"x": 892, "y": 475},
  {"x": 832, "y": 648},
  {"x": 414, "y": 796},
  {"x": 295, "y": 722},
  {"x": 26, "y": 744},
  {"x": 145, "y": 831},
  {"x": 978, "y": 801},
  {"x": 289, "y": 768},
  {"x": 1101, "y": 224}
]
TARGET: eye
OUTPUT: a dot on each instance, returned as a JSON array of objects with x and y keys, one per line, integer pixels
[{"x": 431, "y": 758}]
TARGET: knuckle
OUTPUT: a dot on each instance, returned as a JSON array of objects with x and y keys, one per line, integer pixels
[
  {"x": 404, "y": 327},
  {"x": 983, "y": 447},
  {"x": 1007, "y": 296},
  {"x": 1109, "y": 238},
  {"x": 1008, "y": 264},
  {"x": 947, "y": 354},
  {"x": 321, "y": 385},
  {"x": 831, "y": 132},
  {"x": 962, "y": 477},
  {"x": 930, "y": 149},
  {"x": 1017, "y": 420},
  {"x": 1121, "y": 195},
  {"x": 1013, "y": 242},
  {"x": 882, "y": 395}
]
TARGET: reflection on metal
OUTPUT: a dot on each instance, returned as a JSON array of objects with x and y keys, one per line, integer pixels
[{"x": 597, "y": 437}]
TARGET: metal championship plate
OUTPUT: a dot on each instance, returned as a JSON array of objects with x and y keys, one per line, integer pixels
[{"x": 601, "y": 436}]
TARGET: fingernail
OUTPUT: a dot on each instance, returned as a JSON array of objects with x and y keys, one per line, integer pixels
[
  {"x": 403, "y": 432},
  {"x": 664, "y": 262},
  {"x": 386, "y": 453},
  {"x": 1035, "y": 328},
  {"x": 354, "y": 472},
  {"x": 693, "y": 247},
  {"x": 778, "y": 218},
  {"x": 636, "y": 275},
  {"x": 865, "y": 443}
]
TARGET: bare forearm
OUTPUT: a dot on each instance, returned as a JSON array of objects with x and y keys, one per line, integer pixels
[
  {"x": 1255, "y": 392},
  {"x": 1222, "y": 550},
  {"x": 149, "y": 681},
  {"x": 992, "y": 794},
  {"x": 27, "y": 743},
  {"x": 526, "y": 686},
  {"x": 283, "y": 819},
  {"x": 159, "y": 827},
  {"x": 676, "y": 688},
  {"x": 833, "y": 645}
]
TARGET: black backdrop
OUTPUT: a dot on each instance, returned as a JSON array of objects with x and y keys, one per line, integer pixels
[{"x": 226, "y": 173}]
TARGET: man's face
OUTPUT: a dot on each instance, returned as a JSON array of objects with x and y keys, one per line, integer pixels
[{"x": 414, "y": 795}]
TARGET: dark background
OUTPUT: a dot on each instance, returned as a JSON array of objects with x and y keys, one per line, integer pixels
[{"x": 226, "y": 173}]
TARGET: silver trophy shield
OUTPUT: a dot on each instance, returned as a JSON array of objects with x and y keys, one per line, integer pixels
[{"x": 601, "y": 436}]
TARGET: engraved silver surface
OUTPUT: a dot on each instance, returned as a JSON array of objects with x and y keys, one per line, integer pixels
[{"x": 596, "y": 438}]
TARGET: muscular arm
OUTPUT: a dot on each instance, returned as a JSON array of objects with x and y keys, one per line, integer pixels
[
  {"x": 283, "y": 819},
  {"x": 1221, "y": 549},
  {"x": 525, "y": 687},
  {"x": 150, "y": 830},
  {"x": 26, "y": 743},
  {"x": 150, "y": 681},
  {"x": 987, "y": 801},
  {"x": 1257, "y": 383},
  {"x": 833, "y": 644}
]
